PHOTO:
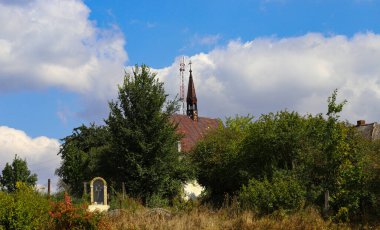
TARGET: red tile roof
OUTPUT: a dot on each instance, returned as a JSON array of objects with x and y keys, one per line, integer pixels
[{"x": 193, "y": 131}]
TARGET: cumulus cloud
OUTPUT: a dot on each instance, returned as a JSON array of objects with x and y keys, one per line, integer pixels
[
  {"x": 54, "y": 44},
  {"x": 46, "y": 44},
  {"x": 295, "y": 73},
  {"x": 40, "y": 153}
]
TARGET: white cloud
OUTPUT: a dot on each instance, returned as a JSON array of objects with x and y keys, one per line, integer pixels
[
  {"x": 52, "y": 43},
  {"x": 46, "y": 44},
  {"x": 40, "y": 153},
  {"x": 197, "y": 41},
  {"x": 207, "y": 39},
  {"x": 295, "y": 73}
]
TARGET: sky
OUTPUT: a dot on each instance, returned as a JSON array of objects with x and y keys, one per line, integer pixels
[{"x": 61, "y": 61}]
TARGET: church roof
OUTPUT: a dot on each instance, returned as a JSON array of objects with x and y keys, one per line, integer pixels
[
  {"x": 193, "y": 131},
  {"x": 191, "y": 96}
]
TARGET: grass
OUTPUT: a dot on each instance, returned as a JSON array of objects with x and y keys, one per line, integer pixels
[{"x": 226, "y": 218}]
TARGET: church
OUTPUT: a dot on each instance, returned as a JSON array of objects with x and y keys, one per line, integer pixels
[{"x": 192, "y": 126}]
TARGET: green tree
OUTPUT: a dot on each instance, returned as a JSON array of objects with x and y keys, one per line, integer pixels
[
  {"x": 82, "y": 155},
  {"x": 17, "y": 172},
  {"x": 275, "y": 141},
  {"x": 217, "y": 158},
  {"x": 244, "y": 149},
  {"x": 143, "y": 139}
]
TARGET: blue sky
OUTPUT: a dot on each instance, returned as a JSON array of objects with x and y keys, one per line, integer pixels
[
  {"x": 157, "y": 31},
  {"x": 60, "y": 61}
]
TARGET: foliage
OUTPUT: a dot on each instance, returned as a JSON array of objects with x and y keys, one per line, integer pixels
[
  {"x": 275, "y": 141},
  {"x": 321, "y": 152},
  {"x": 82, "y": 156},
  {"x": 335, "y": 145},
  {"x": 143, "y": 139},
  {"x": 229, "y": 157},
  {"x": 216, "y": 157},
  {"x": 65, "y": 215},
  {"x": 264, "y": 196},
  {"x": 342, "y": 215},
  {"x": 117, "y": 201},
  {"x": 359, "y": 191},
  {"x": 371, "y": 169},
  {"x": 17, "y": 172},
  {"x": 23, "y": 209}
]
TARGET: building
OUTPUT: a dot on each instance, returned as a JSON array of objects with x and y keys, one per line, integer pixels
[
  {"x": 370, "y": 131},
  {"x": 191, "y": 126}
]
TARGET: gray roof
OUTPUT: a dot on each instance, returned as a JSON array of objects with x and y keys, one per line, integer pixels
[{"x": 370, "y": 131}]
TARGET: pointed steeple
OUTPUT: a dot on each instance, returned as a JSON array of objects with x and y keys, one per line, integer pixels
[{"x": 191, "y": 98}]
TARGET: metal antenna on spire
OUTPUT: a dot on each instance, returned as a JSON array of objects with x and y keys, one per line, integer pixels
[{"x": 182, "y": 85}]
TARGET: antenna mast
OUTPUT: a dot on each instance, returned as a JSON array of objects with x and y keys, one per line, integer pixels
[{"x": 182, "y": 85}]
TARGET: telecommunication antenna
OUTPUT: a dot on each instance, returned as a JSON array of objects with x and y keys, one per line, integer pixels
[{"x": 182, "y": 85}]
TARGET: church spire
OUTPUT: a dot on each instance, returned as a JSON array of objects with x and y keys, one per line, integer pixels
[{"x": 191, "y": 98}]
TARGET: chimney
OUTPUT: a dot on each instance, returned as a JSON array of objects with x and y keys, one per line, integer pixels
[{"x": 360, "y": 122}]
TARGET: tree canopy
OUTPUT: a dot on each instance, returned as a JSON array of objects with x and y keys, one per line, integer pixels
[
  {"x": 82, "y": 155},
  {"x": 316, "y": 153},
  {"x": 17, "y": 172},
  {"x": 143, "y": 143},
  {"x": 136, "y": 146}
]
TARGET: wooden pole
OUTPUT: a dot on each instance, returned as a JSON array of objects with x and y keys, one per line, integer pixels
[
  {"x": 327, "y": 199},
  {"x": 48, "y": 188},
  {"x": 84, "y": 189},
  {"x": 123, "y": 187},
  {"x": 326, "y": 204}
]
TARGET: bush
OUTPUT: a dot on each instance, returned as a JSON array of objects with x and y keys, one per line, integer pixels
[
  {"x": 65, "y": 215},
  {"x": 127, "y": 203},
  {"x": 157, "y": 201},
  {"x": 342, "y": 215},
  {"x": 23, "y": 209},
  {"x": 264, "y": 197}
]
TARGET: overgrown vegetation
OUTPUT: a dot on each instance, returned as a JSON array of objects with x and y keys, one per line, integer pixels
[
  {"x": 282, "y": 192},
  {"x": 16, "y": 172},
  {"x": 280, "y": 165},
  {"x": 137, "y": 145},
  {"x": 284, "y": 161},
  {"x": 65, "y": 215},
  {"x": 24, "y": 208},
  {"x": 27, "y": 209}
]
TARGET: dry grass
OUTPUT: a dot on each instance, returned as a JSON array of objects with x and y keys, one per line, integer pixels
[{"x": 205, "y": 218}]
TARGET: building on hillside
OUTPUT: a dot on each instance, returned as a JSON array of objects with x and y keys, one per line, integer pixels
[
  {"x": 370, "y": 131},
  {"x": 193, "y": 128}
]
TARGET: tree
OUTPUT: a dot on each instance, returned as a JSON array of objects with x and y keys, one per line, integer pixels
[
  {"x": 17, "y": 172},
  {"x": 275, "y": 141},
  {"x": 217, "y": 158},
  {"x": 82, "y": 155},
  {"x": 143, "y": 142}
]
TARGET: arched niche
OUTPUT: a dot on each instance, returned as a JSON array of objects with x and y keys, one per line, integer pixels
[{"x": 98, "y": 191}]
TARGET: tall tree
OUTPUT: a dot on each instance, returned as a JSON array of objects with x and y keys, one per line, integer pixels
[
  {"x": 143, "y": 139},
  {"x": 17, "y": 172},
  {"x": 81, "y": 154}
]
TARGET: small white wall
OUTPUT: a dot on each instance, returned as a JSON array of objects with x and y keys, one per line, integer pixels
[{"x": 192, "y": 190}]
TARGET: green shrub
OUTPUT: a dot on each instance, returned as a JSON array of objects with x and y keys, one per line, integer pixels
[
  {"x": 342, "y": 215},
  {"x": 156, "y": 201},
  {"x": 118, "y": 202},
  {"x": 23, "y": 209},
  {"x": 264, "y": 196}
]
